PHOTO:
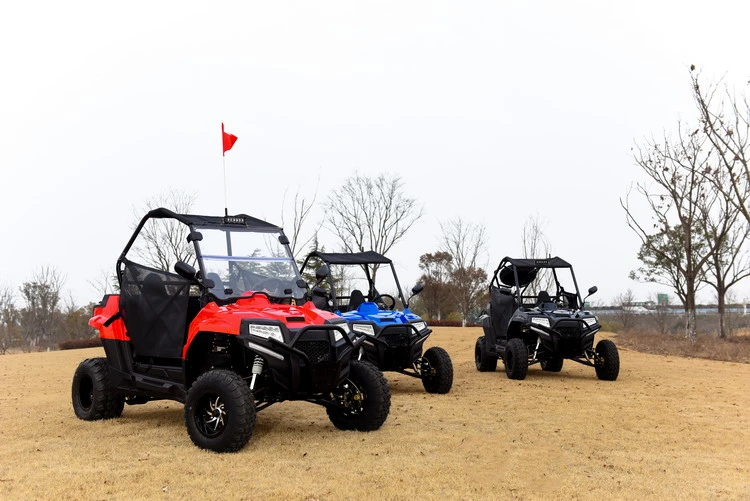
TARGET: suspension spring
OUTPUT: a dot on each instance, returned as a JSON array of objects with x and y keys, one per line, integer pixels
[{"x": 256, "y": 370}]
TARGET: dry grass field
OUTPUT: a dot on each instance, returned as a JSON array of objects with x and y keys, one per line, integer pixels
[{"x": 668, "y": 428}]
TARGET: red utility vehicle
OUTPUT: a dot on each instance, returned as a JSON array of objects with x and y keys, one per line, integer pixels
[{"x": 228, "y": 339}]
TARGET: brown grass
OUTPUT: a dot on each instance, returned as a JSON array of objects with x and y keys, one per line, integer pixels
[
  {"x": 734, "y": 349},
  {"x": 669, "y": 428}
]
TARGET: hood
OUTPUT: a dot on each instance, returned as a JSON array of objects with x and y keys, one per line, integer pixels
[
  {"x": 227, "y": 319},
  {"x": 369, "y": 312}
]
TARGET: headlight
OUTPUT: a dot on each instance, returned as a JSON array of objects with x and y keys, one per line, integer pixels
[
  {"x": 337, "y": 333},
  {"x": 420, "y": 326},
  {"x": 590, "y": 321},
  {"x": 364, "y": 329},
  {"x": 267, "y": 331},
  {"x": 540, "y": 321}
]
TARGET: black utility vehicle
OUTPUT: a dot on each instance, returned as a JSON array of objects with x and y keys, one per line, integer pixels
[
  {"x": 227, "y": 340},
  {"x": 525, "y": 327},
  {"x": 393, "y": 339}
]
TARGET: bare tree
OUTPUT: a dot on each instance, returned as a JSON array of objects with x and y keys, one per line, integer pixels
[
  {"x": 729, "y": 262},
  {"x": 74, "y": 322},
  {"x": 535, "y": 245},
  {"x": 371, "y": 213},
  {"x": 464, "y": 242},
  {"x": 623, "y": 312},
  {"x": 662, "y": 316},
  {"x": 725, "y": 121},
  {"x": 9, "y": 319},
  {"x": 105, "y": 283},
  {"x": 300, "y": 213},
  {"x": 40, "y": 317},
  {"x": 671, "y": 241},
  {"x": 436, "y": 268},
  {"x": 163, "y": 242}
]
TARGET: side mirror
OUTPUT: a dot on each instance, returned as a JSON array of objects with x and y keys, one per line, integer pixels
[
  {"x": 593, "y": 289},
  {"x": 185, "y": 270},
  {"x": 321, "y": 273},
  {"x": 195, "y": 236},
  {"x": 419, "y": 287},
  {"x": 301, "y": 284},
  {"x": 283, "y": 240}
]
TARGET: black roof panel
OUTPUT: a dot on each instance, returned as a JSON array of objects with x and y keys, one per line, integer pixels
[
  {"x": 236, "y": 220},
  {"x": 367, "y": 257}
]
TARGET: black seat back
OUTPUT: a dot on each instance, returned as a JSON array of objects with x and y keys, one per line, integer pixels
[
  {"x": 545, "y": 302},
  {"x": 355, "y": 299},
  {"x": 218, "y": 288},
  {"x": 502, "y": 304}
]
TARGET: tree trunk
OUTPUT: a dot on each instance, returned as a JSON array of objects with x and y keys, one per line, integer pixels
[
  {"x": 721, "y": 299},
  {"x": 690, "y": 316}
]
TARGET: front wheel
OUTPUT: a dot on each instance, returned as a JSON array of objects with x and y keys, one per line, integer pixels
[
  {"x": 92, "y": 396},
  {"x": 484, "y": 361},
  {"x": 220, "y": 411},
  {"x": 552, "y": 364},
  {"x": 607, "y": 364},
  {"x": 437, "y": 370},
  {"x": 516, "y": 359},
  {"x": 363, "y": 400}
]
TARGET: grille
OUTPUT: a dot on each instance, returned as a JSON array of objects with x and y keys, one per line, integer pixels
[
  {"x": 569, "y": 332},
  {"x": 316, "y": 351},
  {"x": 396, "y": 339}
]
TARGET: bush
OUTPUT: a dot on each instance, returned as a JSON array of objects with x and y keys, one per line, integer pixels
[
  {"x": 77, "y": 344},
  {"x": 735, "y": 349},
  {"x": 450, "y": 323}
]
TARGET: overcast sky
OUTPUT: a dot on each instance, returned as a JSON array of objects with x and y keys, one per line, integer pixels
[{"x": 490, "y": 111}]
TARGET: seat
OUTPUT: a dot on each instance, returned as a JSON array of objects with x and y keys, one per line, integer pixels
[
  {"x": 544, "y": 302},
  {"x": 320, "y": 298},
  {"x": 218, "y": 288},
  {"x": 355, "y": 299},
  {"x": 153, "y": 286}
]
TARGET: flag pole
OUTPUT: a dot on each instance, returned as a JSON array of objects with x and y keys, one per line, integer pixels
[{"x": 224, "y": 161}]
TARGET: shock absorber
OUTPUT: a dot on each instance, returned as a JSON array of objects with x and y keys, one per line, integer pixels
[{"x": 257, "y": 369}]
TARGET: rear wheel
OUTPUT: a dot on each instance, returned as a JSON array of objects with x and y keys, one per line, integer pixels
[
  {"x": 363, "y": 399},
  {"x": 607, "y": 363},
  {"x": 220, "y": 411},
  {"x": 484, "y": 361},
  {"x": 552, "y": 364},
  {"x": 92, "y": 397},
  {"x": 516, "y": 359},
  {"x": 437, "y": 373}
]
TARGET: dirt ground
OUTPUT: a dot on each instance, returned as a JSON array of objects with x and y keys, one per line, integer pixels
[{"x": 668, "y": 428}]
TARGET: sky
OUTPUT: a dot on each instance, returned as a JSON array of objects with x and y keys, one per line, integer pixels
[{"x": 494, "y": 112}]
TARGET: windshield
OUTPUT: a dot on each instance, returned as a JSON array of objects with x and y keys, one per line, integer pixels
[{"x": 240, "y": 261}]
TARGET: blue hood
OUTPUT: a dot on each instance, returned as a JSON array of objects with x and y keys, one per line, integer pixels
[{"x": 369, "y": 312}]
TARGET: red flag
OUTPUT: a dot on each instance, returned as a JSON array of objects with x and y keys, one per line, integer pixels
[{"x": 227, "y": 140}]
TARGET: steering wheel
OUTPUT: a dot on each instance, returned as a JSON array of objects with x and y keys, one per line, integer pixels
[
  {"x": 385, "y": 296},
  {"x": 272, "y": 285}
]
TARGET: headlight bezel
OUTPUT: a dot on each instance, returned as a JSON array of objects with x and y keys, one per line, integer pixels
[
  {"x": 266, "y": 331},
  {"x": 337, "y": 333},
  {"x": 541, "y": 321},
  {"x": 366, "y": 329},
  {"x": 591, "y": 321},
  {"x": 420, "y": 326}
]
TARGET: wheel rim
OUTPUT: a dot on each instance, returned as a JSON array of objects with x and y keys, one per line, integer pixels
[
  {"x": 427, "y": 370},
  {"x": 352, "y": 398},
  {"x": 211, "y": 416},
  {"x": 86, "y": 392}
]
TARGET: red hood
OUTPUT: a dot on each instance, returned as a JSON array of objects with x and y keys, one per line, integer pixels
[{"x": 227, "y": 319}]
